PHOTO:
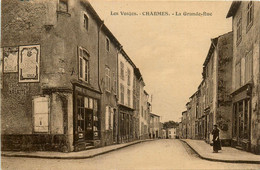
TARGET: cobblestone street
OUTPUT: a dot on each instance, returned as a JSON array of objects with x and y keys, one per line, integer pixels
[{"x": 159, "y": 154}]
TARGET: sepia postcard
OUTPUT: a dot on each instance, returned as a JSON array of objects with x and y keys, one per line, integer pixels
[{"x": 123, "y": 85}]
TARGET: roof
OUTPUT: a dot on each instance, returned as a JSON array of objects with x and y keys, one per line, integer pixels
[
  {"x": 233, "y": 8},
  {"x": 211, "y": 50},
  {"x": 184, "y": 112},
  {"x": 127, "y": 58},
  {"x": 138, "y": 74},
  {"x": 145, "y": 92}
]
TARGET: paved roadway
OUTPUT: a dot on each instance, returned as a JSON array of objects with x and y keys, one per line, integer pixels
[{"x": 158, "y": 154}]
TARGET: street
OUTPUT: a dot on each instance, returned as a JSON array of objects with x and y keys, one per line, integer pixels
[{"x": 158, "y": 154}]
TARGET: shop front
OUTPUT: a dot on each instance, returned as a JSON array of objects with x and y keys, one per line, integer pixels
[
  {"x": 241, "y": 119},
  {"x": 126, "y": 124},
  {"x": 86, "y": 117}
]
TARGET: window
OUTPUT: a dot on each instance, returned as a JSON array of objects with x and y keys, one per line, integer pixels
[
  {"x": 115, "y": 83},
  {"x": 242, "y": 71},
  {"x": 122, "y": 91},
  {"x": 108, "y": 79},
  {"x": 249, "y": 66},
  {"x": 86, "y": 21},
  {"x": 128, "y": 97},
  {"x": 250, "y": 14},
  {"x": 128, "y": 77},
  {"x": 142, "y": 111},
  {"x": 83, "y": 65},
  {"x": 109, "y": 118},
  {"x": 41, "y": 114},
  {"x": 63, "y": 5},
  {"x": 239, "y": 30},
  {"x": 122, "y": 70},
  {"x": 237, "y": 75},
  {"x": 107, "y": 44}
]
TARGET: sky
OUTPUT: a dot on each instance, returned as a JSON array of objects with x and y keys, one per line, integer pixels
[{"x": 168, "y": 50}]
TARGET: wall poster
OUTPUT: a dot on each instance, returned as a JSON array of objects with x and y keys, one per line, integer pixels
[
  {"x": 10, "y": 55},
  {"x": 29, "y": 63}
]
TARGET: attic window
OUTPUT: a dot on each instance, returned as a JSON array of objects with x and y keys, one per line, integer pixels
[{"x": 63, "y": 5}]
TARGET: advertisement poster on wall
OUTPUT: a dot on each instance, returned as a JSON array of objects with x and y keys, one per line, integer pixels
[
  {"x": 10, "y": 59},
  {"x": 29, "y": 63}
]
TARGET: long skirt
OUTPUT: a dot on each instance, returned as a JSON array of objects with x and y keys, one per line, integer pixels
[{"x": 216, "y": 145}]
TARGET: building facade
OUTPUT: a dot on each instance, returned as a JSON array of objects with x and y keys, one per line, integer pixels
[
  {"x": 246, "y": 75},
  {"x": 144, "y": 114},
  {"x": 154, "y": 126},
  {"x": 58, "y": 72},
  {"x": 67, "y": 84},
  {"x": 125, "y": 103}
]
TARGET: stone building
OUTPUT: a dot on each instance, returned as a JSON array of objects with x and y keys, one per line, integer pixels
[
  {"x": 193, "y": 112},
  {"x": 217, "y": 76},
  {"x": 184, "y": 125},
  {"x": 60, "y": 84},
  {"x": 154, "y": 125},
  {"x": 125, "y": 103},
  {"x": 246, "y": 75},
  {"x": 144, "y": 114},
  {"x": 188, "y": 121},
  {"x": 138, "y": 79}
]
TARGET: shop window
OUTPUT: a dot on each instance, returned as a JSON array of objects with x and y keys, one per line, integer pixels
[
  {"x": 41, "y": 114},
  {"x": 83, "y": 65},
  {"x": 87, "y": 118},
  {"x": 250, "y": 15},
  {"x": 108, "y": 80}
]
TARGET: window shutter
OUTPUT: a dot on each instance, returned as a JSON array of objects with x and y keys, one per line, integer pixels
[
  {"x": 41, "y": 114},
  {"x": 107, "y": 118}
]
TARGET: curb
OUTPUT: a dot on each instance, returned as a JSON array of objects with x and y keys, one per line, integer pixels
[
  {"x": 220, "y": 160},
  {"x": 73, "y": 157}
]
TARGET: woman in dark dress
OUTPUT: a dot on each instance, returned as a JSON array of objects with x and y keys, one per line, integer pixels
[{"x": 216, "y": 140}]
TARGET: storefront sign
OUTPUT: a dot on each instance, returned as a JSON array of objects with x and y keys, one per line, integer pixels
[
  {"x": 10, "y": 59},
  {"x": 29, "y": 63}
]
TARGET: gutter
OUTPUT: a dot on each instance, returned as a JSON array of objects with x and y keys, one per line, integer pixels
[{"x": 99, "y": 30}]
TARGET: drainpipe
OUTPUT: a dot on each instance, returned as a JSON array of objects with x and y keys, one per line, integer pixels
[
  {"x": 118, "y": 111},
  {"x": 216, "y": 88},
  {"x": 99, "y": 30}
]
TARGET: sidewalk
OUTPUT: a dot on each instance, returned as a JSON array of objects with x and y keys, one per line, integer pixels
[
  {"x": 227, "y": 154},
  {"x": 71, "y": 155}
]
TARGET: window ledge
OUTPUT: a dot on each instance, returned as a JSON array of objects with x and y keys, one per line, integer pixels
[{"x": 64, "y": 13}]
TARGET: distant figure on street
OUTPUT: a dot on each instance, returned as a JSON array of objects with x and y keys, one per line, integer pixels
[{"x": 216, "y": 140}]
